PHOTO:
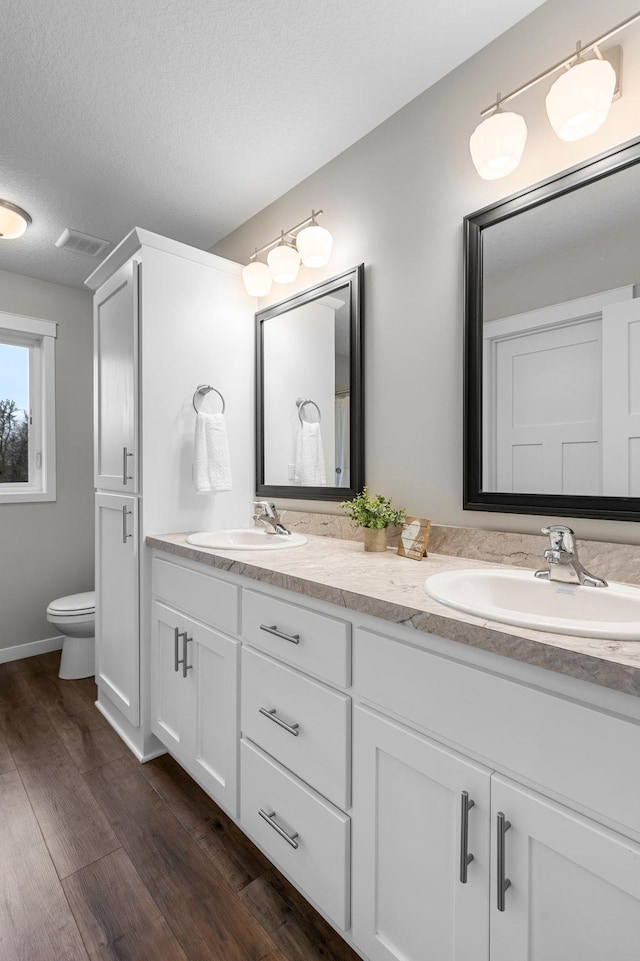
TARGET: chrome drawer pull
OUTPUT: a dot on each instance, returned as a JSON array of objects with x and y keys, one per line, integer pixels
[
  {"x": 269, "y": 818},
  {"x": 503, "y": 883},
  {"x": 185, "y": 667},
  {"x": 465, "y": 858},
  {"x": 176, "y": 655},
  {"x": 273, "y": 629},
  {"x": 125, "y": 475},
  {"x": 181, "y": 660},
  {"x": 291, "y": 728}
]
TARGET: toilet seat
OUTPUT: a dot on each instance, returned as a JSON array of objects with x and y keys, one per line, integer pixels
[{"x": 74, "y": 605}]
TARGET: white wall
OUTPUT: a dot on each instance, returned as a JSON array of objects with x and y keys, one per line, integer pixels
[
  {"x": 47, "y": 549},
  {"x": 396, "y": 200}
]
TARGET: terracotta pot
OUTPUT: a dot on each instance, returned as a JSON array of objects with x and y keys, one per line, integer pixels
[{"x": 375, "y": 540}]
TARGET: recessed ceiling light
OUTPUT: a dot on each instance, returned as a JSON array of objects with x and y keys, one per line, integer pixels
[{"x": 13, "y": 220}]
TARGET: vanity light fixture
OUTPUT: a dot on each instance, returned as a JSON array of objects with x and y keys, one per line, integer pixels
[
  {"x": 13, "y": 220},
  {"x": 314, "y": 245},
  {"x": 577, "y": 105},
  {"x": 579, "y": 101},
  {"x": 307, "y": 241},
  {"x": 284, "y": 261},
  {"x": 257, "y": 278},
  {"x": 497, "y": 143}
]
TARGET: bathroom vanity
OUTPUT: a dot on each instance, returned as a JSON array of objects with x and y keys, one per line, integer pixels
[{"x": 430, "y": 787}]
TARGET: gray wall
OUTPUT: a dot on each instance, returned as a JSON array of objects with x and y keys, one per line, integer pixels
[
  {"x": 608, "y": 261},
  {"x": 396, "y": 200},
  {"x": 47, "y": 549}
]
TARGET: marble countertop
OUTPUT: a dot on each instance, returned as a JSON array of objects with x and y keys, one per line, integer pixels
[{"x": 390, "y": 587}]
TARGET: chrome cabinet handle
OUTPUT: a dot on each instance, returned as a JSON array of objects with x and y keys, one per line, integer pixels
[
  {"x": 181, "y": 660},
  {"x": 176, "y": 641},
  {"x": 465, "y": 858},
  {"x": 125, "y": 514},
  {"x": 125, "y": 467},
  {"x": 291, "y": 728},
  {"x": 269, "y": 818},
  {"x": 185, "y": 667},
  {"x": 273, "y": 629},
  {"x": 502, "y": 882}
]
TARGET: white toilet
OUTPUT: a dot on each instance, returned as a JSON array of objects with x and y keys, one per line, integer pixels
[{"x": 75, "y": 617}]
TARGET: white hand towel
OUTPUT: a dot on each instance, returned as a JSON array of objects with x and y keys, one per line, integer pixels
[
  {"x": 310, "y": 469},
  {"x": 211, "y": 459}
]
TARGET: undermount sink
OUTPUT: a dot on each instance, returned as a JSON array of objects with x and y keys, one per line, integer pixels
[
  {"x": 245, "y": 539},
  {"x": 517, "y": 597}
]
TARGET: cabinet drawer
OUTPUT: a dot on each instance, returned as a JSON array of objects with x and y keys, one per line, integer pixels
[
  {"x": 319, "y": 862},
  {"x": 313, "y": 642},
  {"x": 206, "y": 598},
  {"x": 315, "y": 743}
]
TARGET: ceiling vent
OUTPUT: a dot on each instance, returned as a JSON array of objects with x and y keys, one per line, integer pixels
[{"x": 81, "y": 243}]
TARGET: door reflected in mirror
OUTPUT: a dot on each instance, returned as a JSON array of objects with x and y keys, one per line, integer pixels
[{"x": 310, "y": 431}]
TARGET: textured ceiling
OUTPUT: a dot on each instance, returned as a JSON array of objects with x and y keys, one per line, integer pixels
[{"x": 188, "y": 118}]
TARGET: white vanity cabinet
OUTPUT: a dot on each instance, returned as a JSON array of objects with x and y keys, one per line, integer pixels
[
  {"x": 195, "y": 677},
  {"x": 567, "y": 873},
  {"x": 432, "y": 801}
]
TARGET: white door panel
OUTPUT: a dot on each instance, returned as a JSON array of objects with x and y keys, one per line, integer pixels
[
  {"x": 574, "y": 888},
  {"x": 409, "y": 901},
  {"x": 621, "y": 410},
  {"x": 116, "y": 381},
  {"x": 117, "y": 602}
]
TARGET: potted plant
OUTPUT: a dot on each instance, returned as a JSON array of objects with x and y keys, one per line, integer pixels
[{"x": 375, "y": 514}]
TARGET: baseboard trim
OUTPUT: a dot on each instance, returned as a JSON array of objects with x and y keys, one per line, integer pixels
[
  {"x": 143, "y": 758},
  {"x": 31, "y": 649}
]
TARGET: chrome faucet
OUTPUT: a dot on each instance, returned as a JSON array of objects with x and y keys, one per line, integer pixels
[
  {"x": 564, "y": 563},
  {"x": 269, "y": 517}
]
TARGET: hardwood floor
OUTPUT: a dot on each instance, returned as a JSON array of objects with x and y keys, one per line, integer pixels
[{"x": 105, "y": 859}]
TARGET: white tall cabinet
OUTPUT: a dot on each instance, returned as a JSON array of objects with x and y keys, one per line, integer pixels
[{"x": 167, "y": 318}]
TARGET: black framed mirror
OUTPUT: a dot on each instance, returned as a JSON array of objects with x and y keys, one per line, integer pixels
[
  {"x": 309, "y": 393},
  {"x": 552, "y": 345}
]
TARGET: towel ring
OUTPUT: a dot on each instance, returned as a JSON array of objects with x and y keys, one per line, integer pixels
[
  {"x": 302, "y": 402},
  {"x": 203, "y": 389}
]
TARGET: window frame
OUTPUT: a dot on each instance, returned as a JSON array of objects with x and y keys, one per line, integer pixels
[{"x": 39, "y": 336}]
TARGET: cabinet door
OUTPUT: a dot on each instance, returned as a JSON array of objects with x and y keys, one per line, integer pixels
[
  {"x": 574, "y": 888},
  {"x": 410, "y": 899},
  {"x": 214, "y": 680},
  {"x": 172, "y": 709},
  {"x": 115, "y": 314},
  {"x": 117, "y": 602}
]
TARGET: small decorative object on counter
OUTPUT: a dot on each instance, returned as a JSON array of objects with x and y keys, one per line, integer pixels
[
  {"x": 414, "y": 537},
  {"x": 375, "y": 514}
]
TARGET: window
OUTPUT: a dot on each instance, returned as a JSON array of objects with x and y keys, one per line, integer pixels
[{"x": 27, "y": 409}]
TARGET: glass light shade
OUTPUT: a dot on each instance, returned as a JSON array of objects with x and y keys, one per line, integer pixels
[
  {"x": 578, "y": 102},
  {"x": 13, "y": 221},
  {"x": 497, "y": 143},
  {"x": 314, "y": 245},
  {"x": 284, "y": 263},
  {"x": 257, "y": 279}
]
